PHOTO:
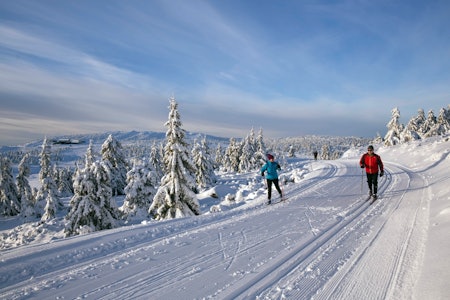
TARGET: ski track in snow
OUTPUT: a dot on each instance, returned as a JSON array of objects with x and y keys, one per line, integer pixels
[{"x": 290, "y": 253}]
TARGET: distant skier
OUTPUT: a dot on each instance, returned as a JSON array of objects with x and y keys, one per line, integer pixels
[
  {"x": 315, "y": 154},
  {"x": 272, "y": 176},
  {"x": 372, "y": 162}
]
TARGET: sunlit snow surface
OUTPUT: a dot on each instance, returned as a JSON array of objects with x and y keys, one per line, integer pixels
[{"x": 324, "y": 242}]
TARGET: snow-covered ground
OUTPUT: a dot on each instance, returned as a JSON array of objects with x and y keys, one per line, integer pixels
[{"x": 324, "y": 242}]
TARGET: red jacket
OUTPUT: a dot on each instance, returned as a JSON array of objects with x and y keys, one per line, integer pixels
[{"x": 371, "y": 163}]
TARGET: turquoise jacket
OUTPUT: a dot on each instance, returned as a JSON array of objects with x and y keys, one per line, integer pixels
[{"x": 271, "y": 168}]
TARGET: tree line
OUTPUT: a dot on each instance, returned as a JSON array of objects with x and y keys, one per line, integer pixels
[{"x": 161, "y": 183}]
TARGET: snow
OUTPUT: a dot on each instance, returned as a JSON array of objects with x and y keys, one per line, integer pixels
[{"x": 324, "y": 242}]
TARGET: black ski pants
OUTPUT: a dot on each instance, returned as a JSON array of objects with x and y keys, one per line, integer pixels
[
  {"x": 269, "y": 187},
  {"x": 372, "y": 180}
]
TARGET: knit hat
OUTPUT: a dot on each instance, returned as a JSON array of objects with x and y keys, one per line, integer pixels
[{"x": 269, "y": 156}]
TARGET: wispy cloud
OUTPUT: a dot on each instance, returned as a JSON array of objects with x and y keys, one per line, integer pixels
[{"x": 292, "y": 69}]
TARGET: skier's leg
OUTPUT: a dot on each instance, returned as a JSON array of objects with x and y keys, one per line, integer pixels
[
  {"x": 375, "y": 183},
  {"x": 269, "y": 189},
  {"x": 369, "y": 182},
  {"x": 277, "y": 186}
]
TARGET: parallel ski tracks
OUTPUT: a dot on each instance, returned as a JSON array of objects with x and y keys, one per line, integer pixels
[
  {"x": 283, "y": 275},
  {"x": 295, "y": 270}
]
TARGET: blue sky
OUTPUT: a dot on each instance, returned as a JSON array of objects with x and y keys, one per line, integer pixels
[{"x": 289, "y": 67}]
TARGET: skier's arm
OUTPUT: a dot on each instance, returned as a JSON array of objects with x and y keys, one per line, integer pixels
[
  {"x": 361, "y": 161},
  {"x": 263, "y": 169}
]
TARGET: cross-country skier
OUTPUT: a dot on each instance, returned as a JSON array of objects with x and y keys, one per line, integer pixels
[
  {"x": 372, "y": 162},
  {"x": 315, "y": 154},
  {"x": 272, "y": 176}
]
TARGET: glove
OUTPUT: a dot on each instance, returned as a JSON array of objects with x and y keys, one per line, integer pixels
[
  {"x": 262, "y": 174},
  {"x": 381, "y": 173},
  {"x": 362, "y": 166}
]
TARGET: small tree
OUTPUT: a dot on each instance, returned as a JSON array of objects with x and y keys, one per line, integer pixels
[
  {"x": 246, "y": 159},
  {"x": 412, "y": 130},
  {"x": 261, "y": 150},
  {"x": 140, "y": 189},
  {"x": 326, "y": 152},
  {"x": 9, "y": 197},
  {"x": 114, "y": 158},
  {"x": 156, "y": 161},
  {"x": 205, "y": 176},
  {"x": 92, "y": 207},
  {"x": 394, "y": 129},
  {"x": 24, "y": 188},
  {"x": 429, "y": 126},
  {"x": 47, "y": 200},
  {"x": 175, "y": 197}
]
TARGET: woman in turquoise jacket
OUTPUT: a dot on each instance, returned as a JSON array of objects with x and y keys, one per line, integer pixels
[{"x": 272, "y": 176}]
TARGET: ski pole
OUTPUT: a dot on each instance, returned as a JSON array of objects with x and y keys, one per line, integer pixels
[{"x": 362, "y": 180}]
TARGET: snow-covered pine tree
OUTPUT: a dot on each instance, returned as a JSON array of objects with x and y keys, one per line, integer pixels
[
  {"x": 156, "y": 161},
  {"x": 232, "y": 155},
  {"x": 429, "y": 125},
  {"x": 114, "y": 158},
  {"x": 326, "y": 152},
  {"x": 392, "y": 137},
  {"x": 205, "y": 176},
  {"x": 90, "y": 155},
  {"x": 64, "y": 181},
  {"x": 209, "y": 163},
  {"x": 447, "y": 113},
  {"x": 378, "y": 139},
  {"x": 412, "y": 130},
  {"x": 261, "y": 150},
  {"x": 440, "y": 127},
  {"x": 443, "y": 122},
  {"x": 246, "y": 159},
  {"x": 24, "y": 189},
  {"x": 291, "y": 151},
  {"x": 218, "y": 158},
  {"x": 47, "y": 199},
  {"x": 175, "y": 197},
  {"x": 92, "y": 207},
  {"x": 9, "y": 197},
  {"x": 140, "y": 189}
]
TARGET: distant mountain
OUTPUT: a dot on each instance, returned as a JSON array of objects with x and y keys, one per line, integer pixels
[{"x": 123, "y": 136}]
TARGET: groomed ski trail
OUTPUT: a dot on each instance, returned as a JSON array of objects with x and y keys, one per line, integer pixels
[{"x": 287, "y": 251}]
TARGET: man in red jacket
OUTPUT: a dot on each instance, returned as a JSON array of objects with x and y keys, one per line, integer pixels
[{"x": 372, "y": 162}]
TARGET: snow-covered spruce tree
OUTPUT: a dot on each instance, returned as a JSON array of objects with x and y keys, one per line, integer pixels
[
  {"x": 326, "y": 152},
  {"x": 218, "y": 157},
  {"x": 92, "y": 207},
  {"x": 291, "y": 151},
  {"x": 378, "y": 139},
  {"x": 443, "y": 123},
  {"x": 9, "y": 197},
  {"x": 412, "y": 130},
  {"x": 24, "y": 189},
  {"x": 447, "y": 113},
  {"x": 261, "y": 150},
  {"x": 246, "y": 159},
  {"x": 392, "y": 137},
  {"x": 140, "y": 190},
  {"x": 114, "y": 158},
  {"x": 201, "y": 155},
  {"x": 232, "y": 155},
  {"x": 429, "y": 124},
  {"x": 47, "y": 199},
  {"x": 156, "y": 161},
  {"x": 90, "y": 155},
  {"x": 175, "y": 197},
  {"x": 64, "y": 181}
]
